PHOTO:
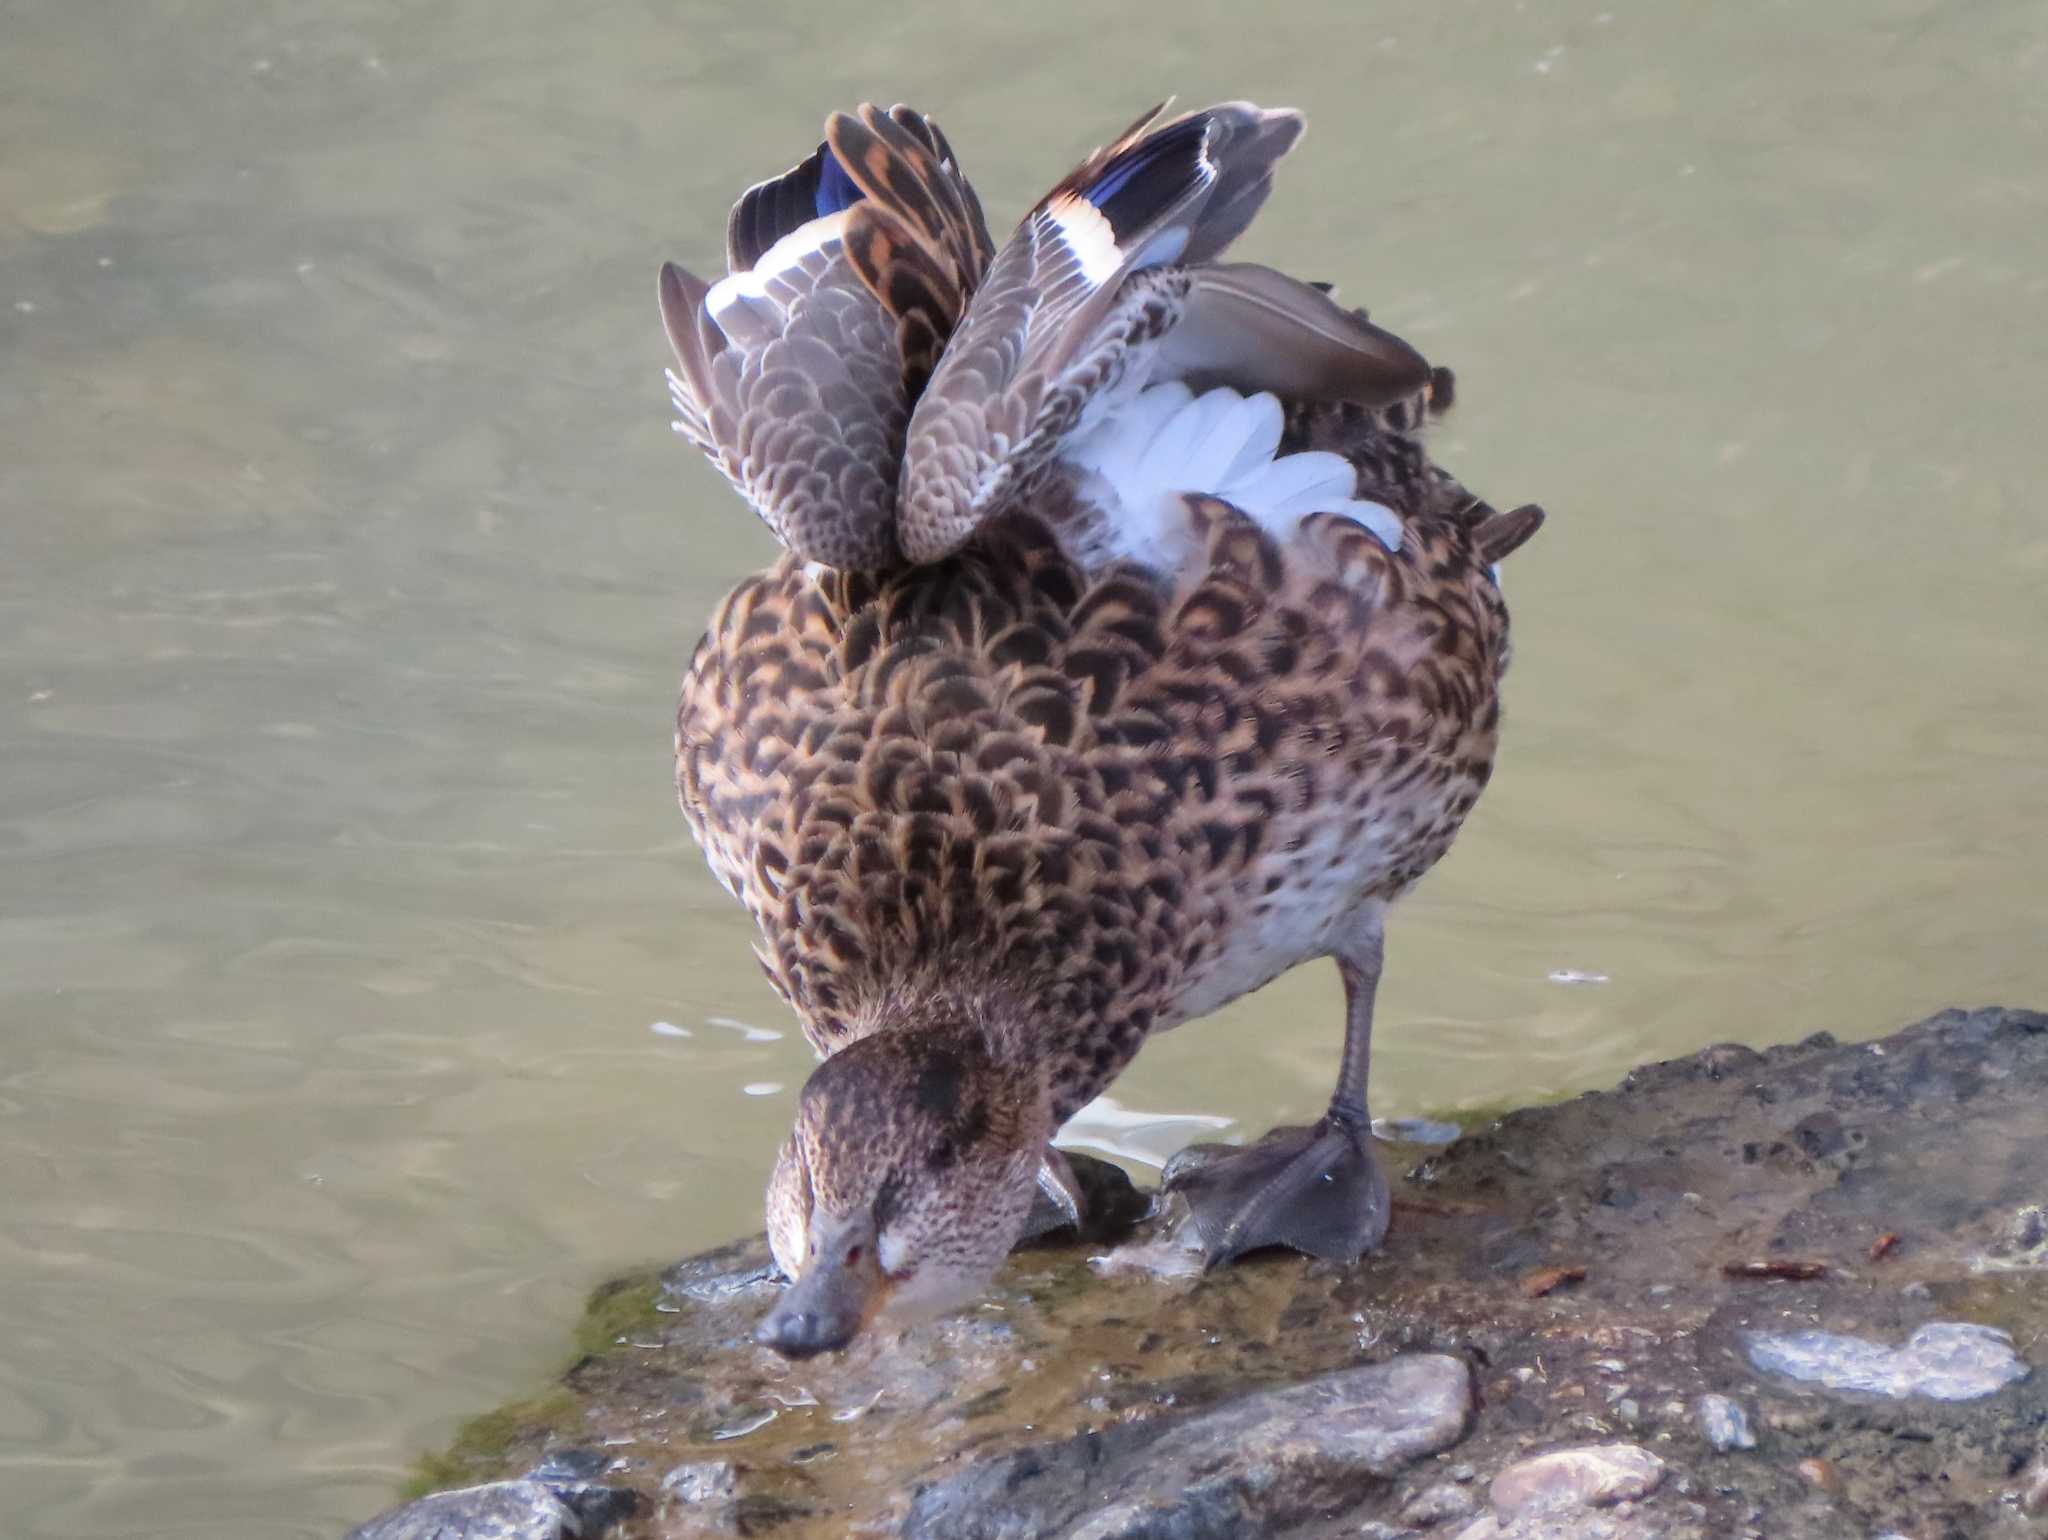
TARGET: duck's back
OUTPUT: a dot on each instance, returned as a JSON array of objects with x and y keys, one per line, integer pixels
[{"x": 1131, "y": 780}]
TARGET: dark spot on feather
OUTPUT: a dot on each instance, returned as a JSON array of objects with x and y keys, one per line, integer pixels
[
  {"x": 858, "y": 643},
  {"x": 1134, "y": 730},
  {"x": 1023, "y": 644},
  {"x": 1220, "y": 837},
  {"x": 888, "y": 1200},
  {"x": 960, "y": 696},
  {"x": 1101, "y": 669},
  {"x": 1051, "y": 712},
  {"x": 939, "y": 1083}
]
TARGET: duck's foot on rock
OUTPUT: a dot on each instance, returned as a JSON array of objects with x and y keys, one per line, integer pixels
[
  {"x": 1080, "y": 1196},
  {"x": 1317, "y": 1190}
]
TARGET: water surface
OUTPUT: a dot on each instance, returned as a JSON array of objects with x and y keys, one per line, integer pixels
[{"x": 347, "y": 563}]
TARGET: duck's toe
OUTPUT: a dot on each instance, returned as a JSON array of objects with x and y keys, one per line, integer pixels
[
  {"x": 1058, "y": 1204},
  {"x": 1317, "y": 1190}
]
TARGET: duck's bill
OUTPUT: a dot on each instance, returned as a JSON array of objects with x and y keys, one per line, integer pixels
[{"x": 825, "y": 1309}]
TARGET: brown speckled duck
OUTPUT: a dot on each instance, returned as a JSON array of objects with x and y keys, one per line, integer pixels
[{"x": 1128, "y": 651}]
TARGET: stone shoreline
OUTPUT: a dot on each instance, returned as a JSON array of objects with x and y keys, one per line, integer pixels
[{"x": 1799, "y": 1293}]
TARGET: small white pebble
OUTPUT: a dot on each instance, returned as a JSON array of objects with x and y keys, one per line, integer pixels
[{"x": 761, "y": 1087}]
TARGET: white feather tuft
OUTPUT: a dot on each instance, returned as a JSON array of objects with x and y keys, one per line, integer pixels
[
  {"x": 1165, "y": 442},
  {"x": 1086, "y": 232},
  {"x": 740, "y": 302}
]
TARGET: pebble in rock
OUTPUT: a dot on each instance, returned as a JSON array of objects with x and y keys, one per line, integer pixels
[
  {"x": 1583, "y": 1477},
  {"x": 708, "y": 1481},
  {"x": 2035, "y": 1498},
  {"x": 1725, "y": 1423},
  {"x": 1947, "y": 1360}
]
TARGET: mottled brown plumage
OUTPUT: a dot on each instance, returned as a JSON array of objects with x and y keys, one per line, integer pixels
[
  {"x": 1082, "y": 785},
  {"x": 1118, "y": 760}
]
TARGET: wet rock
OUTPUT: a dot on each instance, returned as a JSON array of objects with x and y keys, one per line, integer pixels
[
  {"x": 1434, "y": 1504},
  {"x": 1587, "y": 1477},
  {"x": 1947, "y": 1360},
  {"x": 558, "y": 1497},
  {"x": 1725, "y": 1423},
  {"x": 1258, "y": 1463},
  {"x": 1166, "y": 1400},
  {"x": 498, "y": 1510}
]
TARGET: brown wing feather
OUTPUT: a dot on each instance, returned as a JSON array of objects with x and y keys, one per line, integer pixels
[{"x": 918, "y": 239}]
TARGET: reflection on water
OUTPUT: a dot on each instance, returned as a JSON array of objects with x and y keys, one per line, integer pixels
[{"x": 346, "y": 562}]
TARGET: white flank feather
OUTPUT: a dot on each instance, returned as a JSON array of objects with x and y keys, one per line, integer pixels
[{"x": 1167, "y": 442}]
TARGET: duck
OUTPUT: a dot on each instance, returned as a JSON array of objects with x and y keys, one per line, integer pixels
[{"x": 1127, "y": 649}]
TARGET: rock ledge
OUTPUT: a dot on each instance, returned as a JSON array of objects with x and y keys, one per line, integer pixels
[{"x": 1793, "y": 1292}]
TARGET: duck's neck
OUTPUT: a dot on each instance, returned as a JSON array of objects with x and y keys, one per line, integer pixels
[
  {"x": 946, "y": 1002},
  {"x": 1058, "y": 1034}
]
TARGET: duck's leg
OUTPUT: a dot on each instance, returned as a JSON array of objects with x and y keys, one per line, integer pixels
[{"x": 1319, "y": 1189}]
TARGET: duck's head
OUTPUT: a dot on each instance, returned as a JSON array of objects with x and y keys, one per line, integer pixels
[{"x": 904, "y": 1185}]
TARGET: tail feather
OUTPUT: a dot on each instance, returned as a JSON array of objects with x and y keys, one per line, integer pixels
[
  {"x": 1505, "y": 533},
  {"x": 1258, "y": 329}
]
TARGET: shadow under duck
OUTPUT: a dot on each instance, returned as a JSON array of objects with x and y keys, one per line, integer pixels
[{"x": 1129, "y": 650}]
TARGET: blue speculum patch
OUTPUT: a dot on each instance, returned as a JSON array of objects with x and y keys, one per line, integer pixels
[
  {"x": 836, "y": 190},
  {"x": 1183, "y": 139}
]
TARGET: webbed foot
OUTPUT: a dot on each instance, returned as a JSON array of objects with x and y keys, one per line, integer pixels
[
  {"x": 1058, "y": 1204},
  {"x": 1317, "y": 1190},
  {"x": 1080, "y": 1198}
]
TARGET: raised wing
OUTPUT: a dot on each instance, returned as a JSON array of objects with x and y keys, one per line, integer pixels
[
  {"x": 1109, "y": 285},
  {"x": 795, "y": 372}
]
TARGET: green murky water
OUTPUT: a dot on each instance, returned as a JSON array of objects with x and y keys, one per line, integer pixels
[{"x": 347, "y": 561}]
